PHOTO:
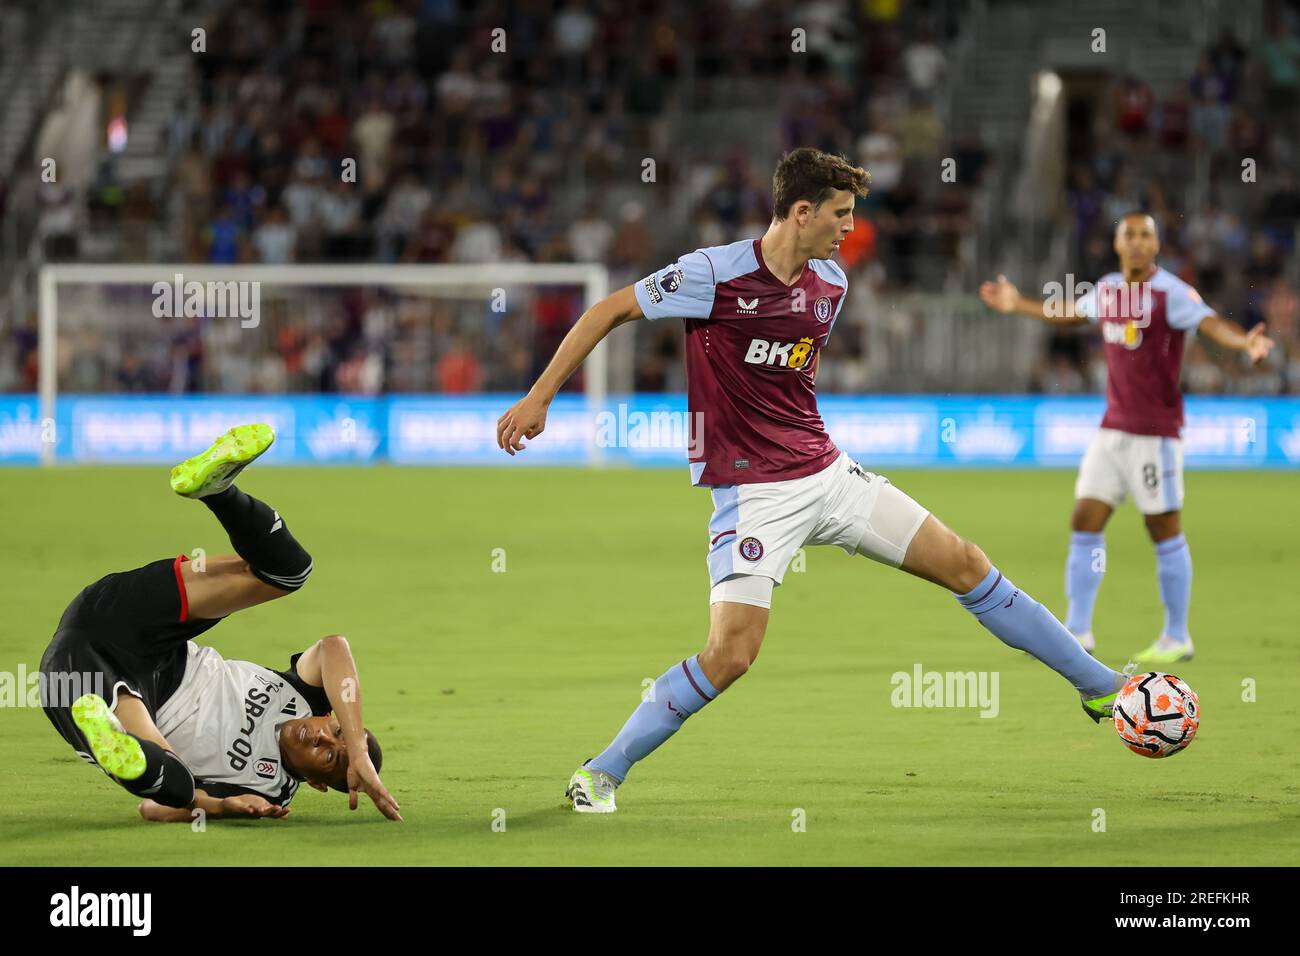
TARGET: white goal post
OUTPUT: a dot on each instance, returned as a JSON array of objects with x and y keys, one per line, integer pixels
[{"x": 592, "y": 277}]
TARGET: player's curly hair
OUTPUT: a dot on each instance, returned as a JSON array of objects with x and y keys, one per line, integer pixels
[
  {"x": 807, "y": 173},
  {"x": 376, "y": 757}
]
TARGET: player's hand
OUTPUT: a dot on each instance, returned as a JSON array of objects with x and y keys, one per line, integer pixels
[
  {"x": 1258, "y": 345},
  {"x": 251, "y": 805},
  {"x": 1001, "y": 295},
  {"x": 363, "y": 778},
  {"x": 526, "y": 418}
]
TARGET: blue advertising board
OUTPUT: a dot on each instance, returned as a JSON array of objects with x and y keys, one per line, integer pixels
[{"x": 627, "y": 430}]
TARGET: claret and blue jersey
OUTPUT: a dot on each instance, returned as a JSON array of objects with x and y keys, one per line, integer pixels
[
  {"x": 751, "y": 353},
  {"x": 1143, "y": 326}
]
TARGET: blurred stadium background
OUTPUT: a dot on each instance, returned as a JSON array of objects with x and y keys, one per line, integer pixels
[{"x": 166, "y": 133}]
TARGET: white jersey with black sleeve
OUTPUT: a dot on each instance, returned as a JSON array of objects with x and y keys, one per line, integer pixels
[{"x": 224, "y": 721}]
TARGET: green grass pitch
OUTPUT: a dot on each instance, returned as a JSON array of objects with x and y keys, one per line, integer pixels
[{"x": 486, "y": 688}]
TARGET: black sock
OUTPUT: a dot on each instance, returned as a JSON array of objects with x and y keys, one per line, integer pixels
[
  {"x": 261, "y": 538},
  {"x": 165, "y": 780}
]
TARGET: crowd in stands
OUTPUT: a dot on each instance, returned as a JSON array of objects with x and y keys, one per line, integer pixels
[{"x": 394, "y": 132}]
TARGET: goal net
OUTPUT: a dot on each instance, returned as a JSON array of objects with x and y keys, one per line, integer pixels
[{"x": 258, "y": 335}]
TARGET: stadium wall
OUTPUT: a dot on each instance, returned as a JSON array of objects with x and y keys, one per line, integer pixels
[{"x": 647, "y": 430}]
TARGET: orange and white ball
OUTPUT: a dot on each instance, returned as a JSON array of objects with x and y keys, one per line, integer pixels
[{"x": 1157, "y": 714}]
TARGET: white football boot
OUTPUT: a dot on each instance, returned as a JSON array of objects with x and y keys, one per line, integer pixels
[{"x": 591, "y": 790}]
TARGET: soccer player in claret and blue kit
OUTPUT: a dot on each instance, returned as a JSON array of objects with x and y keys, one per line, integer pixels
[
  {"x": 1145, "y": 314},
  {"x": 757, "y": 312}
]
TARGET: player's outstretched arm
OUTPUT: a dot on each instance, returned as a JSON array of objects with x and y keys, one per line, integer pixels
[
  {"x": 245, "y": 806},
  {"x": 1003, "y": 296},
  {"x": 329, "y": 664},
  {"x": 526, "y": 418},
  {"x": 1229, "y": 334}
]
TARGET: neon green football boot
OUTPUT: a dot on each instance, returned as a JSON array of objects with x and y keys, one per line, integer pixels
[
  {"x": 213, "y": 471},
  {"x": 1100, "y": 708},
  {"x": 1103, "y": 707},
  {"x": 112, "y": 747},
  {"x": 1166, "y": 650}
]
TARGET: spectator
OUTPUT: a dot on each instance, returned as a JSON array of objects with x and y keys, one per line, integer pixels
[
  {"x": 1247, "y": 136},
  {"x": 225, "y": 238},
  {"x": 362, "y": 372},
  {"x": 1133, "y": 102},
  {"x": 275, "y": 238},
  {"x": 458, "y": 371},
  {"x": 477, "y": 241},
  {"x": 401, "y": 214},
  {"x": 880, "y": 155},
  {"x": 303, "y": 199},
  {"x": 1175, "y": 122},
  {"x": 591, "y": 234},
  {"x": 632, "y": 243},
  {"x": 925, "y": 64},
  {"x": 1210, "y": 112},
  {"x": 432, "y": 241},
  {"x": 373, "y": 133},
  {"x": 919, "y": 131},
  {"x": 709, "y": 230},
  {"x": 574, "y": 31},
  {"x": 339, "y": 211}
]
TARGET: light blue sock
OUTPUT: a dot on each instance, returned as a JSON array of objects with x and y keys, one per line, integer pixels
[
  {"x": 1019, "y": 620},
  {"x": 1174, "y": 564},
  {"x": 1083, "y": 571},
  {"x": 679, "y": 692}
]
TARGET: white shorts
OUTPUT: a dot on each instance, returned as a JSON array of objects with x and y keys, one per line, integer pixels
[
  {"x": 756, "y": 529},
  {"x": 1119, "y": 464}
]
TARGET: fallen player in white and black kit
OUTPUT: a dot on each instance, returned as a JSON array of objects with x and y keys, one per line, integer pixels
[{"x": 182, "y": 726}]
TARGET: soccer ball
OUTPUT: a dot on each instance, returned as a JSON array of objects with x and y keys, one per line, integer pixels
[{"x": 1156, "y": 715}]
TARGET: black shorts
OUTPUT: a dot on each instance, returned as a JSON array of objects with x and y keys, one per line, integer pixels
[{"x": 126, "y": 633}]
